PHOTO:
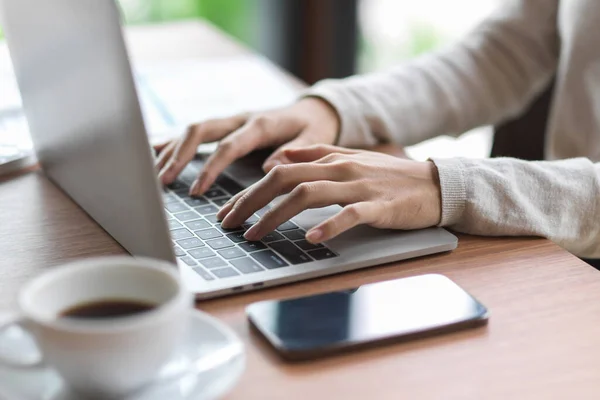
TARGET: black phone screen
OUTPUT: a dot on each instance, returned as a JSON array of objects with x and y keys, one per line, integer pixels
[{"x": 385, "y": 310}]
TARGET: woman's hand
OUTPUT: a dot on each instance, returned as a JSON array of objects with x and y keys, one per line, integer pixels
[
  {"x": 309, "y": 121},
  {"x": 373, "y": 188}
]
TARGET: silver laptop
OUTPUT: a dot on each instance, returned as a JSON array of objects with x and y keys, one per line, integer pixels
[{"x": 88, "y": 131}]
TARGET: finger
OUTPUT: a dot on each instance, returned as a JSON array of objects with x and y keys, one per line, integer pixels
[
  {"x": 165, "y": 155},
  {"x": 278, "y": 157},
  {"x": 315, "y": 152},
  {"x": 185, "y": 149},
  {"x": 282, "y": 179},
  {"x": 229, "y": 205},
  {"x": 258, "y": 132},
  {"x": 159, "y": 147},
  {"x": 350, "y": 216},
  {"x": 303, "y": 197}
]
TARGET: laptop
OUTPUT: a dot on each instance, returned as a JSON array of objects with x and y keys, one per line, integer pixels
[{"x": 89, "y": 135}]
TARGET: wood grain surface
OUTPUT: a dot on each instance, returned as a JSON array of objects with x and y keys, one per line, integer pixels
[{"x": 542, "y": 341}]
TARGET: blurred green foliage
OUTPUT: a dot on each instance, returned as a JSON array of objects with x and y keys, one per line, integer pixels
[{"x": 233, "y": 16}]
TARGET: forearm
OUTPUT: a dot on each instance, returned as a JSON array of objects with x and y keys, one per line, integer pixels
[
  {"x": 559, "y": 200},
  {"x": 490, "y": 75}
]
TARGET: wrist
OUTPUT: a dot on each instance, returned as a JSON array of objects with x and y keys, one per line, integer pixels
[{"x": 323, "y": 113}]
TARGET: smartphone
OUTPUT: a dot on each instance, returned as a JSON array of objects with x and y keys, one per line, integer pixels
[{"x": 401, "y": 309}]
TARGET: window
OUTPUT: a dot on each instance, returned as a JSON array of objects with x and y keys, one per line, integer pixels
[{"x": 396, "y": 30}]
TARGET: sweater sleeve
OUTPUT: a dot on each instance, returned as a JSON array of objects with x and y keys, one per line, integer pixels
[
  {"x": 490, "y": 75},
  {"x": 558, "y": 200}
]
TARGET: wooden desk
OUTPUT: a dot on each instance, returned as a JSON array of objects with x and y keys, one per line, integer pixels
[{"x": 543, "y": 339}]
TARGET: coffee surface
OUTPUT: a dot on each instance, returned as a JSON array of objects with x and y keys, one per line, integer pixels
[{"x": 110, "y": 308}]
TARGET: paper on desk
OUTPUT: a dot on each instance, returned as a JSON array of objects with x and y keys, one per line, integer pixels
[{"x": 177, "y": 93}]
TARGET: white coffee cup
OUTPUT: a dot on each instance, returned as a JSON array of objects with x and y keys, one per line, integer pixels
[{"x": 104, "y": 357}]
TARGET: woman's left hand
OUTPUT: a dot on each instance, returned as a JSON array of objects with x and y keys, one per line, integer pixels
[{"x": 373, "y": 188}]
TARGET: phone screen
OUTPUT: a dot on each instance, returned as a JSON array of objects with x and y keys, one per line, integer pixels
[{"x": 385, "y": 310}]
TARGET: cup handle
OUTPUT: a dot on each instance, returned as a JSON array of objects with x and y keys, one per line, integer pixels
[{"x": 8, "y": 322}]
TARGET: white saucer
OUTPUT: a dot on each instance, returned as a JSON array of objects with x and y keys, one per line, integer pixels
[{"x": 207, "y": 365}]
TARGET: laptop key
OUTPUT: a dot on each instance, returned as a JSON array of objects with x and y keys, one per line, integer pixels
[
  {"x": 225, "y": 272},
  {"x": 211, "y": 218},
  {"x": 239, "y": 228},
  {"x": 202, "y": 252},
  {"x": 208, "y": 234},
  {"x": 322, "y": 254},
  {"x": 208, "y": 209},
  {"x": 218, "y": 244},
  {"x": 252, "y": 246},
  {"x": 287, "y": 226},
  {"x": 221, "y": 202},
  {"x": 178, "y": 186},
  {"x": 188, "y": 260},
  {"x": 173, "y": 224},
  {"x": 268, "y": 259},
  {"x": 246, "y": 265},
  {"x": 213, "y": 262},
  {"x": 272, "y": 237},
  {"x": 296, "y": 234},
  {"x": 178, "y": 251},
  {"x": 306, "y": 245},
  {"x": 214, "y": 193},
  {"x": 181, "y": 234},
  {"x": 290, "y": 252},
  {"x": 231, "y": 252},
  {"x": 196, "y": 201},
  {"x": 190, "y": 243},
  {"x": 204, "y": 274},
  {"x": 188, "y": 175},
  {"x": 186, "y": 216},
  {"x": 229, "y": 184},
  {"x": 169, "y": 198},
  {"x": 237, "y": 237},
  {"x": 197, "y": 224},
  {"x": 176, "y": 207}
]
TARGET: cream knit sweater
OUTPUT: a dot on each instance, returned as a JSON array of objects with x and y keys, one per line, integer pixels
[{"x": 491, "y": 75}]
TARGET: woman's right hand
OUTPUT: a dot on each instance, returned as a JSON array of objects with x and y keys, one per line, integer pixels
[{"x": 309, "y": 121}]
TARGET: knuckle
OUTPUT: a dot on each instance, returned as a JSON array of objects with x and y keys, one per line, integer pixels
[
  {"x": 347, "y": 165},
  {"x": 195, "y": 130},
  {"x": 330, "y": 158},
  {"x": 278, "y": 173},
  {"x": 319, "y": 147},
  {"x": 303, "y": 191},
  {"x": 352, "y": 212},
  {"x": 262, "y": 122},
  {"x": 226, "y": 146}
]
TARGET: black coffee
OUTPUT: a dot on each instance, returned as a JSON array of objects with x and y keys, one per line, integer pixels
[{"x": 107, "y": 309}]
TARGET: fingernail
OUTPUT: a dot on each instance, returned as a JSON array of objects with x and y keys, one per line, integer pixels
[
  {"x": 314, "y": 235},
  {"x": 195, "y": 187},
  {"x": 221, "y": 213},
  {"x": 161, "y": 177},
  {"x": 251, "y": 233}
]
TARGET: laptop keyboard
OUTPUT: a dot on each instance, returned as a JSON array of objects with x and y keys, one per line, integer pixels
[{"x": 218, "y": 253}]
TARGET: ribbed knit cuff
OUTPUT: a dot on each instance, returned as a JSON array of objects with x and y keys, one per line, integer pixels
[
  {"x": 353, "y": 132},
  {"x": 454, "y": 192}
]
